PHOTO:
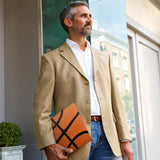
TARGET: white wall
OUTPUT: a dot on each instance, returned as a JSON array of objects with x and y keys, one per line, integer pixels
[
  {"x": 2, "y": 61},
  {"x": 21, "y": 68},
  {"x": 144, "y": 13}
]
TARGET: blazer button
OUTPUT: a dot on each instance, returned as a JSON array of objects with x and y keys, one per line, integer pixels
[
  {"x": 88, "y": 101},
  {"x": 86, "y": 82}
]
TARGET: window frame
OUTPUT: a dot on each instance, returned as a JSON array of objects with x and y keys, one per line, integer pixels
[{"x": 132, "y": 29}]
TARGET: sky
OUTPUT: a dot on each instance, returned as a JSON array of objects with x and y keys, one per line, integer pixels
[{"x": 110, "y": 15}]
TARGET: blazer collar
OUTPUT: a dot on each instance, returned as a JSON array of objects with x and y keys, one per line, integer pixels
[{"x": 66, "y": 52}]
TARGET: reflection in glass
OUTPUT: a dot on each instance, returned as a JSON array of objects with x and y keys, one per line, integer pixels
[{"x": 110, "y": 35}]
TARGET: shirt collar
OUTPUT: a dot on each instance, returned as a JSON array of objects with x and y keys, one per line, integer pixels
[{"x": 73, "y": 44}]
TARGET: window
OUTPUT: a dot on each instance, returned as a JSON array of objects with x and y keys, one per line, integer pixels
[
  {"x": 102, "y": 46},
  {"x": 115, "y": 60},
  {"x": 115, "y": 40},
  {"x": 126, "y": 83},
  {"x": 118, "y": 81},
  {"x": 145, "y": 55},
  {"x": 125, "y": 66}
]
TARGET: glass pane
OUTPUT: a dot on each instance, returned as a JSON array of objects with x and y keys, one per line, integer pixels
[
  {"x": 110, "y": 35},
  {"x": 148, "y": 60}
]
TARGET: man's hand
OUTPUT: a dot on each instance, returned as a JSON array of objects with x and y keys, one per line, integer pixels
[
  {"x": 56, "y": 152},
  {"x": 126, "y": 150}
]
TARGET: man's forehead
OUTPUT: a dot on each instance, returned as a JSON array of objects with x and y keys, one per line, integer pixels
[{"x": 82, "y": 9}]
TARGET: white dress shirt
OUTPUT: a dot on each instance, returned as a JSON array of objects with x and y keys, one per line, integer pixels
[{"x": 85, "y": 60}]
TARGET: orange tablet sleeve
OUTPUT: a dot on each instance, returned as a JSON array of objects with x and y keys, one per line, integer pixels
[{"x": 69, "y": 129}]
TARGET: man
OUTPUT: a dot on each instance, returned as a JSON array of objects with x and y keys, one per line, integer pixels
[{"x": 76, "y": 72}]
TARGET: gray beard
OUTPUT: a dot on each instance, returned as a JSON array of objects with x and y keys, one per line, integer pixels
[{"x": 86, "y": 31}]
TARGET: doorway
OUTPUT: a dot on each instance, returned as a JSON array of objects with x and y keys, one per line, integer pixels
[{"x": 146, "y": 84}]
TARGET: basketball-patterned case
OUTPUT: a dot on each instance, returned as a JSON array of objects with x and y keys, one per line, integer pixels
[{"x": 69, "y": 129}]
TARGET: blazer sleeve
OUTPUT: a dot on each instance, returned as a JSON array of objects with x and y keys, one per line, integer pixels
[
  {"x": 42, "y": 107},
  {"x": 118, "y": 108}
]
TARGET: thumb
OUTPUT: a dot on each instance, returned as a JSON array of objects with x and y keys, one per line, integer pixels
[{"x": 67, "y": 150}]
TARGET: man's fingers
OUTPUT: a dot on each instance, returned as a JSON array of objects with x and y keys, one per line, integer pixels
[
  {"x": 67, "y": 150},
  {"x": 55, "y": 152},
  {"x": 64, "y": 150},
  {"x": 130, "y": 156},
  {"x": 62, "y": 157},
  {"x": 123, "y": 156},
  {"x": 127, "y": 151}
]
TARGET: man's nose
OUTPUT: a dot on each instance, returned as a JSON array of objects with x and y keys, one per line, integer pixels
[{"x": 89, "y": 19}]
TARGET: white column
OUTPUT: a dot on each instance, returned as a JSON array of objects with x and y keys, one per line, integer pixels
[{"x": 21, "y": 68}]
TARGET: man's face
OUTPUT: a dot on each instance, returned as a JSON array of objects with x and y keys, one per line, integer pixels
[{"x": 82, "y": 23}]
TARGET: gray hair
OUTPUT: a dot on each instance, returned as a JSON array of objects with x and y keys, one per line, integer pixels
[{"x": 69, "y": 12}]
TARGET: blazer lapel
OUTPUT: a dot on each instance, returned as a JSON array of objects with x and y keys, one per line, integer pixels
[{"x": 66, "y": 52}]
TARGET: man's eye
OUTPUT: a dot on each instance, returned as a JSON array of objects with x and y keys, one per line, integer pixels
[
  {"x": 86, "y": 15},
  {"x": 83, "y": 15}
]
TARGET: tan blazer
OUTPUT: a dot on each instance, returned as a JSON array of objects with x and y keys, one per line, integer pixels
[{"x": 63, "y": 80}]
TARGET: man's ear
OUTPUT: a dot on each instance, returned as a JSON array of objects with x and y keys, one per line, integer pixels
[{"x": 68, "y": 22}]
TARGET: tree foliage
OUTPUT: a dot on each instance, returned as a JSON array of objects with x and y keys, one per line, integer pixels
[{"x": 128, "y": 104}]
